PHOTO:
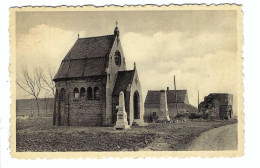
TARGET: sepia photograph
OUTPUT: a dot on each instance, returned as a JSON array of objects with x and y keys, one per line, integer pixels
[{"x": 132, "y": 80}]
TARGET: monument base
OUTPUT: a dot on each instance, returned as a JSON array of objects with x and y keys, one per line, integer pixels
[
  {"x": 121, "y": 122},
  {"x": 121, "y": 127},
  {"x": 167, "y": 119},
  {"x": 138, "y": 122}
]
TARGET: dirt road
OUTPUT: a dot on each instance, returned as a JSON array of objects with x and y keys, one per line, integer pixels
[{"x": 222, "y": 138}]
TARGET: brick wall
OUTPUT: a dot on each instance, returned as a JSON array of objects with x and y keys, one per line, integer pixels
[{"x": 81, "y": 111}]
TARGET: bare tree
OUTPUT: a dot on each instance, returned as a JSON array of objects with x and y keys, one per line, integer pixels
[
  {"x": 49, "y": 84},
  {"x": 50, "y": 87},
  {"x": 32, "y": 84}
]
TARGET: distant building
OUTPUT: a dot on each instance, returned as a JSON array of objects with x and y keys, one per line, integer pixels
[
  {"x": 26, "y": 108},
  {"x": 152, "y": 103},
  {"x": 217, "y": 105},
  {"x": 89, "y": 81}
]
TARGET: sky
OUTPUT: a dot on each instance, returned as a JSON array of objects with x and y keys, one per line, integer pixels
[{"x": 198, "y": 47}]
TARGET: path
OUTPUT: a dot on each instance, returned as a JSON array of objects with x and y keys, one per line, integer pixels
[
  {"x": 222, "y": 138},
  {"x": 157, "y": 145}
]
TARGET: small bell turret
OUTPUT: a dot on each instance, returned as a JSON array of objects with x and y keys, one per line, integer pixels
[{"x": 116, "y": 31}]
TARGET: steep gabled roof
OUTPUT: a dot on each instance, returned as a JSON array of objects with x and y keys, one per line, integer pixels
[
  {"x": 124, "y": 78},
  {"x": 171, "y": 96},
  {"x": 91, "y": 47},
  {"x": 87, "y": 57},
  {"x": 153, "y": 96}
]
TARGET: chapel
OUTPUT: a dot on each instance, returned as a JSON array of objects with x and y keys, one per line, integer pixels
[{"x": 88, "y": 83}]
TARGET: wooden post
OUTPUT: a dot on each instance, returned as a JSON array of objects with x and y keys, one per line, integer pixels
[
  {"x": 198, "y": 99},
  {"x": 68, "y": 120},
  {"x": 175, "y": 94},
  {"x": 59, "y": 113},
  {"x": 54, "y": 112}
]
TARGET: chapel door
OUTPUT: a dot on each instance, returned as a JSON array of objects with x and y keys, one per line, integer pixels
[{"x": 136, "y": 105}]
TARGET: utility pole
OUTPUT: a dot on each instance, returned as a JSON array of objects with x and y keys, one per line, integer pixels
[
  {"x": 175, "y": 94},
  {"x": 198, "y": 99}
]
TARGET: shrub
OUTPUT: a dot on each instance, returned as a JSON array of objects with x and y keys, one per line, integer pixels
[
  {"x": 195, "y": 115},
  {"x": 180, "y": 115},
  {"x": 205, "y": 116}
]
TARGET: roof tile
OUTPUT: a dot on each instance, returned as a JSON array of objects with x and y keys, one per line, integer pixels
[
  {"x": 124, "y": 78},
  {"x": 153, "y": 96},
  {"x": 87, "y": 57}
]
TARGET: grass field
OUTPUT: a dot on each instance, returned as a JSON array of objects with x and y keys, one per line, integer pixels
[{"x": 38, "y": 134}]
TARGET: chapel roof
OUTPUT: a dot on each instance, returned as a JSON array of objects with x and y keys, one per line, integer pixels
[
  {"x": 153, "y": 96},
  {"x": 124, "y": 78},
  {"x": 87, "y": 57}
]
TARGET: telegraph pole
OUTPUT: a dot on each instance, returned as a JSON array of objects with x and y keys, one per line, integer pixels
[
  {"x": 198, "y": 99},
  {"x": 175, "y": 94}
]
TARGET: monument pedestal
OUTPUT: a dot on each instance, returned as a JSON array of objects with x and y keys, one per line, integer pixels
[
  {"x": 121, "y": 122},
  {"x": 139, "y": 122}
]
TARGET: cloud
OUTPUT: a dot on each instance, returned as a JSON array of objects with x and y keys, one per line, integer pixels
[
  {"x": 43, "y": 46},
  {"x": 205, "y": 62}
]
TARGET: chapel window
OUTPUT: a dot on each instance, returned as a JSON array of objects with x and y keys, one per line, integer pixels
[
  {"x": 82, "y": 92},
  {"x": 96, "y": 93},
  {"x": 117, "y": 58},
  {"x": 62, "y": 94},
  {"x": 76, "y": 93},
  {"x": 89, "y": 93},
  {"x": 56, "y": 93}
]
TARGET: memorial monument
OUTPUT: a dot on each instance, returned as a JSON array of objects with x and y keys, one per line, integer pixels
[
  {"x": 121, "y": 122},
  {"x": 164, "y": 113}
]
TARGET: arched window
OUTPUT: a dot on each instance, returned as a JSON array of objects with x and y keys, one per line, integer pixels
[
  {"x": 76, "y": 93},
  {"x": 96, "y": 93},
  {"x": 89, "y": 93},
  {"x": 62, "y": 94},
  {"x": 82, "y": 92}
]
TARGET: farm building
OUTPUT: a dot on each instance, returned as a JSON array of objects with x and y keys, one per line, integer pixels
[
  {"x": 217, "y": 105},
  {"x": 153, "y": 102},
  {"x": 89, "y": 81},
  {"x": 26, "y": 108}
]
